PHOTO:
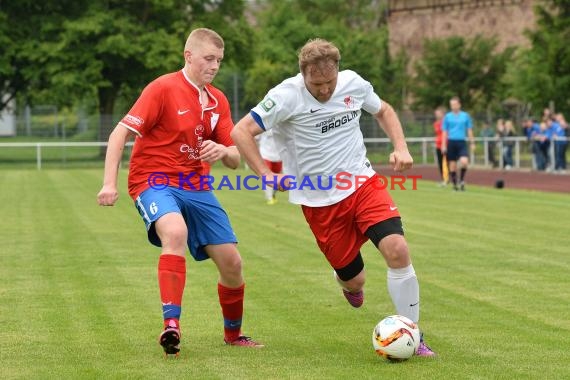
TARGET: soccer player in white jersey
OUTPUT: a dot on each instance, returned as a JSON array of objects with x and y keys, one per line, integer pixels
[
  {"x": 270, "y": 155},
  {"x": 314, "y": 117}
]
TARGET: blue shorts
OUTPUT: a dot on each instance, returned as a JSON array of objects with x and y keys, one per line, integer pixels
[
  {"x": 456, "y": 149},
  {"x": 206, "y": 220}
]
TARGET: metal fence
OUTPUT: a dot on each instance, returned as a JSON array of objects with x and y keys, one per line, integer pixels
[
  {"x": 489, "y": 153},
  {"x": 47, "y": 122},
  {"x": 48, "y": 137}
]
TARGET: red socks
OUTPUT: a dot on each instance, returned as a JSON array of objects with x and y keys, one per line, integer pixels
[
  {"x": 231, "y": 300},
  {"x": 171, "y": 281}
]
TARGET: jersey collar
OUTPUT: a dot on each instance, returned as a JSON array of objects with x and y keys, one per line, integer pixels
[{"x": 210, "y": 95}]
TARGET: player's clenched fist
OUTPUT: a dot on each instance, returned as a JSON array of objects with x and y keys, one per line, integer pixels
[
  {"x": 107, "y": 196},
  {"x": 401, "y": 160}
]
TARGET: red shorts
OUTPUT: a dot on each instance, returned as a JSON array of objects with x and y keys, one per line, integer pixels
[
  {"x": 340, "y": 228},
  {"x": 274, "y": 166}
]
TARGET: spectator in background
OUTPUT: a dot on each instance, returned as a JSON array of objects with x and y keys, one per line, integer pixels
[
  {"x": 488, "y": 136},
  {"x": 541, "y": 139},
  {"x": 270, "y": 155},
  {"x": 439, "y": 113},
  {"x": 508, "y": 145},
  {"x": 500, "y": 125},
  {"x": 547, "y": 114},
  {"x": 549, "y": 135},
  {"x": 527, "y": 126},
  {"x": 499, "y": 134},
  {"x": 559, "y": 132},
  {"x": 530, "y": 129}
]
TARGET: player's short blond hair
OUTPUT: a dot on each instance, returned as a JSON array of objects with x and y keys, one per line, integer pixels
[
  {"x": 201, "y": 35},
  {"x": 320, "y": 54}
]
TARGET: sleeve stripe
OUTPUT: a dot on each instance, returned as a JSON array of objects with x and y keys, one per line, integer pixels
[
  {"x": 257, "y": 119},
  {"x": 130, "y": 129}
]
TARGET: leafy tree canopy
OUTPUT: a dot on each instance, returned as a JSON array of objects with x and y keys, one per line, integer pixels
[
  {"x": 541, "y": 74},
  {"x": 470, "y": 69},
  {"x": 357, "y": 27},
  {"x": 61, "y": 50}
]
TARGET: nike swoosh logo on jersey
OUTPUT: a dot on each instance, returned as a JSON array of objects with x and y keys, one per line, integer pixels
[
  {"x": 182, "y": 112},
  {"x": 313, "y": 111},
  {"x": 393, "y": 208}
]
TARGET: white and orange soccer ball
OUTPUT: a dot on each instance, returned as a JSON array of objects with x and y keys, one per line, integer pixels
[{"x": 396, "y": 338}]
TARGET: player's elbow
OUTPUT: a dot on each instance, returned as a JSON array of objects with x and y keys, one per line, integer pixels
[
  {"x": 385, "y": 114},
  {"x": 119, "y": 135},
  {"x": 245, "y": 131},
  {"x": 236, "y": 134},
  {"x": 232, "y": 164}
]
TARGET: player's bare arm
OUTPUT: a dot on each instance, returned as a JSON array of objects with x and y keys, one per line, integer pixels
[
  {"x": 243, "y": 136},
  {"x": 444, "y": 142},
  {"x": 117, "y": 140},
  {"x": 212, "y": 152},
  {"x": 400, "y": 158}
]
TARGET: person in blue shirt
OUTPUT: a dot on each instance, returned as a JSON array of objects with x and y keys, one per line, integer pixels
[
  {"x": 508, "y": 145},
  {"x": 531, "y": 129},
  {"x": 457, "y": 125},
  {"x": 542, "y": 139},
  {"x": 559, "y": 130}
]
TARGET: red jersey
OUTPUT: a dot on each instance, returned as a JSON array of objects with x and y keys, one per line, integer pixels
[
  {"x": 171, "y": 124},
  {"x": 438, "y": 133}
]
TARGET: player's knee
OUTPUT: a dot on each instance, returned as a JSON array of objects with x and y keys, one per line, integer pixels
[
  {"x": 231, "y": 272},
  {"x": 398, "y": 246},
  {"x": 235, "y": 265},
  {"x": 395, "y": 251},
  {"x": 231, "y": 265},
  {"x": 171, "y": 230},
  {"x": 175, "y": 235},
  {"x": 356, "y": 283}
]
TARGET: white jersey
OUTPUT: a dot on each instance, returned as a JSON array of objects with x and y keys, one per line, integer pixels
[
  {"x": 267, "y": 147},
  {"x": 321, "y": 144}
]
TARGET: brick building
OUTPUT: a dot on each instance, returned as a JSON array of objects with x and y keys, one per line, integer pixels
[{"x": 412, "y": 21}]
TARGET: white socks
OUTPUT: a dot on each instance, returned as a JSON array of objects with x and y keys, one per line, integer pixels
[
  {"x": 405, "y": 291},
  {"x": 269, "y": 192}
]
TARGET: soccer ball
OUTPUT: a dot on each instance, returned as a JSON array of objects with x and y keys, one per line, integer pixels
[{"x": 396, "y": 338}]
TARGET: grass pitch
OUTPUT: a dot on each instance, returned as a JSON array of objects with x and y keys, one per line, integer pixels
[{"x": 79, "y": 295}]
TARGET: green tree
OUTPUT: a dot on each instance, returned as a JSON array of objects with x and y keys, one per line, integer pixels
[
  {"x": 357, "y": 27},
  {"x": 470, "y": 69},
  {"x": 542, "y": 73},
  {"x": 10, "y": 81},
  {"x": 24, "y": 27},
  {"x": 112, "y": 48}
]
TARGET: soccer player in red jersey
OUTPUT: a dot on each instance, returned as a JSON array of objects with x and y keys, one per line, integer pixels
[
  {"x": 181, "y": 124},
  {"x": 439, "y": 113}
]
